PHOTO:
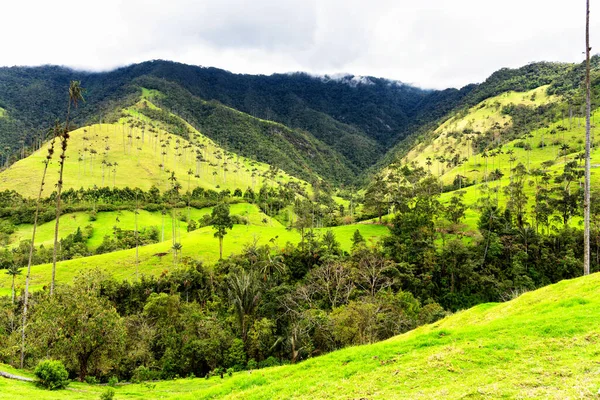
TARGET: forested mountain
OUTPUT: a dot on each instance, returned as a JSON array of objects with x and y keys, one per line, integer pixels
[
  {"x": 354, "y": 118},
  {"x": 353, "y": 121}
]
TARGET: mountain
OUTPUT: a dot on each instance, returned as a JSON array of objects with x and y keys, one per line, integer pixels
[
  {"x": 352, "y": 120},
  {"x": 349, "y": 122}
]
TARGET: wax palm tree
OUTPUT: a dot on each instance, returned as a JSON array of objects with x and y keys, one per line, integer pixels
[
  {"x": 32, "y": 246},
  {"x": 13, "y": 270},
  {"x": 586, "y": 201},
  {"x": 75, "y": 94}
]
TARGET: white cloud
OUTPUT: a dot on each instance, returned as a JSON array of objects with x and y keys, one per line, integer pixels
[{"x": 436, "y": 43}]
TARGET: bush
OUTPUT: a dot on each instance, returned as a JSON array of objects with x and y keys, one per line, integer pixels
[
  {"x": 269, "y": 362},
  {"x": 108, "y": 394},
  {"x": 93, "y": 216},
  {"x": 252, "y": 364},
  {"x": 142, "y": 374},
  {"x": 112, "y": 381},
  {"x": 91, "y": 380},
  {"x": 430, "y": 313},
  {"x": 52, "y": 374}
]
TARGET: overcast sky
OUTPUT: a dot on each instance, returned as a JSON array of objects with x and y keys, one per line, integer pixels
[{"x": 429, "y": 43}]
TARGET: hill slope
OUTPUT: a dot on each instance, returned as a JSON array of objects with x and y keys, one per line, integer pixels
[
  {"x": 543, "y": 344},
  {"x": 354, "y": 117},
  {"x": 141, "y": 152}
]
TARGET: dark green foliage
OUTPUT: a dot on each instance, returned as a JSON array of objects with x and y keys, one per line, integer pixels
[
  {"x": 108, "y": 394},
  {"x": 52, "y": 374}
]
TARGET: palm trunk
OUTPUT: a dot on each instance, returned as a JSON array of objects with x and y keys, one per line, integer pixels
[
  {"x": 586, "y": 201},
  {"x": 63, "y": 138},
  {"x": 32, "y": 246}
]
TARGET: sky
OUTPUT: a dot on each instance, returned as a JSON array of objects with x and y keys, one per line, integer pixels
[{"x": 428, "y": 43}]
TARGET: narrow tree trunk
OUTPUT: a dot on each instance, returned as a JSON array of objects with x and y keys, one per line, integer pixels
[
  {"x": 586, "y": 201},
  {"x": 59, "y": 191},
  {"x": 32, "y": 246},
  {"x": 220, "y": 247}
]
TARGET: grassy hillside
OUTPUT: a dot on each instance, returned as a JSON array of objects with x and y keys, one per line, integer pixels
[
  {"x": 544, "y": 149},
  {"x": 456, "y": 135},
  {"x": 542, "y": 345},
  {"x": 139, "y": 152},
  {"x": 106, "y": 221},
  {"x": 200, "y": 245}
]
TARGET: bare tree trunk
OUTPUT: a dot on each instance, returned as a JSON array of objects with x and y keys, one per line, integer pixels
[
  {"x": 32, "y": 246},
  {"x": 586, "y": 201}
]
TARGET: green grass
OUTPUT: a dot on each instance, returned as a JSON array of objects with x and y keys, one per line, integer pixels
[
  {"x": 542, "y": 345},
  {"x": 138, "y": 162},
  {"x": 200, "y": 244},
  {"x": 106, "y": 221},
  {"x": 478, "y": 118}
]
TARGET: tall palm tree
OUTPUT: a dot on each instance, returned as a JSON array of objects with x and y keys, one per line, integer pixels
[
  {"x": 586, "y": 201},
  {"x": 75, "y": 94},
  {"x": 32, "y": 246},
  {"x": 13, "y": 270}
]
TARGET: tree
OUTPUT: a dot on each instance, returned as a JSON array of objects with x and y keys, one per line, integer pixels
[
  {"x": 455, "y": 210},
  {"x": 517, "y": 200},
  {"x": 13, "y": 270},
  {"x": 221, "y": 223},
  {"x": 32, "y": 246},
  {"x": 244, "y": 294},
  {"x": 375, "y": 196},
  {"x": 79, "y": 327},
  {"x": 586, "y": 201},
  {"x": 372, "y": 271},
  {"x": 75, "y": 94},
  {"x": 357, "y": 239},
  {"x": 270, "y": 262}
]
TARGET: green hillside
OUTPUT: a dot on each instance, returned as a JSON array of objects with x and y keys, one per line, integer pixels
[
  {"x": 139, "y": 152},
  {"x": 476, "y": 151},
  {"x": 543, "y": 344},
  {"x": 455, "y": 136},
  {"x": 199, "y": 245}
]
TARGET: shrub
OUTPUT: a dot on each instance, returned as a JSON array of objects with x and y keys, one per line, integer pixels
[
  {"x": 430, "y": 313},
  {"x": 93, "y": 216},
  {"x": 252, "y": 364},
  {"x": 108, "y": 394},
  {"x": 142, "y": 374},
  {"x": 91, "y": 380},
  {"x": 112, "y": 381},
  {"x": 269, "y": 362},
  {"x": 52, "y": 374}
]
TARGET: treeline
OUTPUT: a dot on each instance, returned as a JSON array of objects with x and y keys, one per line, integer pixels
[{"x": 265, "y": 307}]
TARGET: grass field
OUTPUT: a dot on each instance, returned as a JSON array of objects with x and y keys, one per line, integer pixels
[
  {"x": 106, "y": 221},
  {"x": 542, "y": 345},
  {"x": 138, "y": 159},
  {"x": 199, "y": 244}
]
